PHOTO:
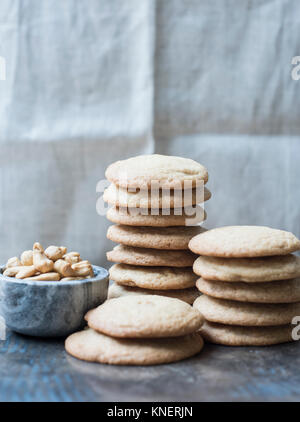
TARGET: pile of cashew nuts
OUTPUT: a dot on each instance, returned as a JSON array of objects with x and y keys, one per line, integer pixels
[{"x": 51, "y": 264}]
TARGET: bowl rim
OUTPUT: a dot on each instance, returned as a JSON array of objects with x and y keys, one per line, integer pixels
[{"x": 102, "y": 274}]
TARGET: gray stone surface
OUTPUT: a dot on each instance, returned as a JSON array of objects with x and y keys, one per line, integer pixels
[
  {"x": 50, "y": 308},
  {"x": 33, "y": 369}
]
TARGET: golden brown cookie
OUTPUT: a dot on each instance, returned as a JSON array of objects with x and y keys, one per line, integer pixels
[
  {"x": 150, "y": 257},
  {"x": 187, "y": 216},
  {"x": 169, "y": 238},
  {"x": 233, "y": 335},
  {"x": 244, "y": 241},
  {"x": 144, "y": 316},
  {"x": 155, "y": 278},
  {"x": 280, "y": 291},
  {"x": 242, "y": 313},
  {"x": 95, "y": 347},
  {"x": 143, "y": 198},
  {"x": 169, "y": 170},
  {"x": 248, "y": 269},
  {"x": 187, "y": 295}
]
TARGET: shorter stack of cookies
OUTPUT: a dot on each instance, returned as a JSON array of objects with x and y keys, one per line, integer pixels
[
  {"x": 138, "y": 330},
  {"x": 153, "y": 255},
  {"x": 250, "y": 284}
]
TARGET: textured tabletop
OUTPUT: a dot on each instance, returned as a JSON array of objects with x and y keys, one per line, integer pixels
[{"x": 39, "y": 370}]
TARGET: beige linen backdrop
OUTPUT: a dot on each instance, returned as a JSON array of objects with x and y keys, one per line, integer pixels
[{"x": 90, "y": 82}]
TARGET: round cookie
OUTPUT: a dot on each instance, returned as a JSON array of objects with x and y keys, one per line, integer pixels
[
  {"x": 242, "y": 313},
  {"x": 95, "y": 347},
  {"x": 262, "y": 269},
  {"x": 280, "y": 291},
  {"x": 244, "y": 241},
  {"x": 155, "y": 278},
  {"x": 142, "y": 217},
  {"x": 186, "y": 295},
  {"x": 144, "y": 316},
  {"x": 120, "y": 197},
  {"x": 170, "y": 238},
  {"x": 232, "y": 335},
  {"x": 170, "y": 171},
  {"x": 150, "y": 257}
]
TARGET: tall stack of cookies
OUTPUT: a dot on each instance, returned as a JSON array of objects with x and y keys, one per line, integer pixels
[
  {"x": 250, "y": 284},
  {"x": 154, "y": 202},
  {"x": 138, "y": 330}
]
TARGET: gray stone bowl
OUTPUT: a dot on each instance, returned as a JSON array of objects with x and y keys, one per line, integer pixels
[{"x": 50, "y": 308}]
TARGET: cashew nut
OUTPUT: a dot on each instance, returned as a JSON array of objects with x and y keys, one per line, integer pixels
[
  {"x": 64, "y": 268},
  {"x": 40, "y": 261},
  {"x": 52, "y": 264},
  {"x": 13, "y": 262},
  {"x": 72, "y": 257},
  {"x": 55, "y": 252},
  {"x": 83, "y": 269},
  {"x": 70, "y": 278},
  {"x": 27, "y": 258},
  {"x": 12, "y": 271},
  {"x": 26, "y": 271},
  {"x": 46, "y": 277}
]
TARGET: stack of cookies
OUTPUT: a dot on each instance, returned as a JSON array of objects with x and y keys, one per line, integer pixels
[
  {"x": 154, "y": 202},
  {"x": 250, "y": 284},
  {"x": 138, "y": 330}
]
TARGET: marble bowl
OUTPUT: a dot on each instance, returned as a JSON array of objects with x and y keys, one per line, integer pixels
[{"x": 50, "y": 308}]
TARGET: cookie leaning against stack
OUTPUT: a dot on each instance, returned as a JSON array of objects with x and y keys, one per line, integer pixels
[
  {"x": 250, "y": 283},
  {"x": 153, "y": 231},
  {"x": 138, "y": 330}
]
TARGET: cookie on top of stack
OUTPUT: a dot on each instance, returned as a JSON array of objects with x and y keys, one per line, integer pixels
[
  {"x": 138, "y": 330},
  {"x": 250, "y": 282},
  {"x": 154, "y": 201}
]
